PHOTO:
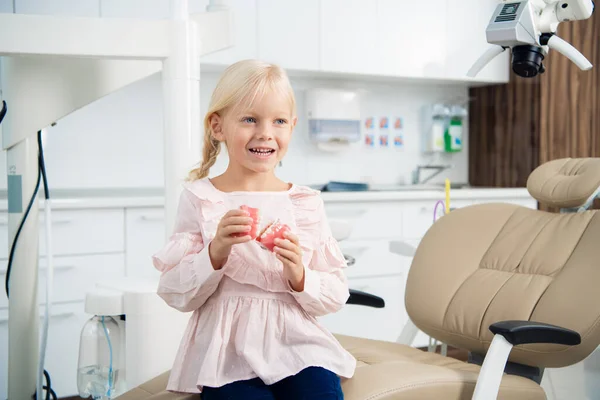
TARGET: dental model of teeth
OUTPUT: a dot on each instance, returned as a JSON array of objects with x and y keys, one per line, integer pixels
[{"x": 267, "y": 235}]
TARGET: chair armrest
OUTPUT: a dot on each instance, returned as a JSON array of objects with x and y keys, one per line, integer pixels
[
  {"x": 365, "y": 299},
  {"x": 525, "y": 332},
  {"x": 512, "y": 333}
]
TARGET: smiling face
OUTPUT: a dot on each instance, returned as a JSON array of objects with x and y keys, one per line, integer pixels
[{"x": 257, "y": 136}]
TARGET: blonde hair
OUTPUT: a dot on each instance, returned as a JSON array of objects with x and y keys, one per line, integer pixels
[{"x": 240, "y": 85}]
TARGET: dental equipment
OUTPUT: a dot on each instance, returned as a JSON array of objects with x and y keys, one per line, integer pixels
[
  {"x": 55, "y": 65},
  {"x": 529, "y": 28}
]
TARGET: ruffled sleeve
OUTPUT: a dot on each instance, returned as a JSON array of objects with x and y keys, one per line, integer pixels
[
  {"x": 187, "y": 276},
  {"x": 325, "y": 284}
]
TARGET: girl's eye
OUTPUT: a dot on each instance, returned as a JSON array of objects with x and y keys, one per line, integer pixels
[
  {"x": 249, "y": 119},
  {"x": 280, "y": 121}
]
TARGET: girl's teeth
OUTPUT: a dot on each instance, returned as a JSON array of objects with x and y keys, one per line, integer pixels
[{"x": 261, "y": 151}]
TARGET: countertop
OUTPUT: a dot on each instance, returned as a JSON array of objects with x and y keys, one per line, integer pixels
[{"x": 154, "y": 197}]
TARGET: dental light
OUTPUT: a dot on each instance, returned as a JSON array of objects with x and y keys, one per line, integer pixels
[
  {"x": 55, "y": 65},
  {"x": 528, "y": 28}
]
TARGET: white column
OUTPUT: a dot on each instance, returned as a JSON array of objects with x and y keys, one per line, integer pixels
[
  {"x": 23, "y": 322},
  {"x": 182, "y": 119}
]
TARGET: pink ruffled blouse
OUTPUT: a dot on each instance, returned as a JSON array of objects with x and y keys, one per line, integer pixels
[{"x": 247, "y": 321}]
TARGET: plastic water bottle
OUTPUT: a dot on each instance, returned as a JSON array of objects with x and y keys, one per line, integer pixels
[{"x": 99, "y": 358}]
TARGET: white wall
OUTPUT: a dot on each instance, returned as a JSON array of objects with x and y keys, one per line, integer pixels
[{"x": 117, "y": 141}]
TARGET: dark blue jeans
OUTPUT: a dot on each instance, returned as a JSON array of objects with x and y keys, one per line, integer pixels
[{"x": 309, "y": 384}]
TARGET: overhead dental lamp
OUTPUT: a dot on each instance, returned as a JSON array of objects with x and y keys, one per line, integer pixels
[
  {"x": 55, "y": 65},
  {"x": 528, "y": 29}
]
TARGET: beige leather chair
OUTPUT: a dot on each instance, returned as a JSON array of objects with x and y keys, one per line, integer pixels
[{"x": 478, "y": 266}]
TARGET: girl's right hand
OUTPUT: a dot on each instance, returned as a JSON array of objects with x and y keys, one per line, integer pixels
[{"x": 234, "y": 221}]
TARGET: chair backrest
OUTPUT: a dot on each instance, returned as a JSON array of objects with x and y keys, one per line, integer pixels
[{"x": 492, "y": 262}]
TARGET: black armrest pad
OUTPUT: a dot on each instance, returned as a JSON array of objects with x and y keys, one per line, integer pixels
[
  {"x": 525, "y": 332},
  {"x": 365, "y": 299}
]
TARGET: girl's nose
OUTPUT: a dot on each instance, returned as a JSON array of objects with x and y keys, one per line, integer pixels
[{"x": 264, "y": 132}]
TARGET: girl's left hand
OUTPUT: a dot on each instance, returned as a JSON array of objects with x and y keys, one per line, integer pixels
[{"x": 289, "y": 253}]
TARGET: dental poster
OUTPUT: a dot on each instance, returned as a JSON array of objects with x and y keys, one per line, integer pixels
[
  {"x": 398, "y": 133},
  {"x": 370, "y": 132},
  {"x": 384, "y": 131}
]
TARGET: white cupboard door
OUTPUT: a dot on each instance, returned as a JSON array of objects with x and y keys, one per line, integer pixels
[
  {"x": 349, "y": 36},
  {"x": 145, "y": 237},
  {"x": 6, "y": 6},
  {"x": 72, "y": 8},
  {"x": 62, "y": 351},
  {"x": 244, "y": 35},
  {"x": 288, "y": 33},
  {"x": 412, "y": 37},
  {"x": 467, "y": 22},
  {"x": 367, "y": 322},
  {"x": 143, "y": 9}
]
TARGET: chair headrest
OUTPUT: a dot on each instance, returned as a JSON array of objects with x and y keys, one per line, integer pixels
[{"x": 565, "y": 182}]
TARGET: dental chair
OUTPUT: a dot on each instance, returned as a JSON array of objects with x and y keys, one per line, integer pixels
[{"x": 486, "y": 278}]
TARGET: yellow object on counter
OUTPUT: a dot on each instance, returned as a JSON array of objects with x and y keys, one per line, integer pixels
[{"x": 447, "y": 195}]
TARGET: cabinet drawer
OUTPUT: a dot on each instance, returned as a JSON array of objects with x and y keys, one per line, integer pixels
[
  {"x": 372, "y": 323},
  {"x": 372, "y": 258},
  {"x": 417, "y": 218},
  {"x": 76, "y": 232},
  {"x": 62, "y": 352},
  {"x": 145, "y": 236},
  {"x": 73, "y": 276},
  {"x": 369, "y": 220}
]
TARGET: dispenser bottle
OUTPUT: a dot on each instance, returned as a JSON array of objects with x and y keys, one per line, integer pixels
[
  {"x": 99, "y": 358},
  {"x": 101, "y": 369},
  {"x": 435, "y": 122},
  {"x": 454, "y": 132}
]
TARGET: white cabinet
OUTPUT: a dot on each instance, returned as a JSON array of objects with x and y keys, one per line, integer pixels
[
  {"x": 62, "y": 351},
  {"x": 372, "y": 259},
  {"x": 367, "y": 322},
  {"x": 79, "y": 8},
  {"x": 88, "y": 245},
  {"x": 466, "y": 41},
  {"x": 73, "y": 276},
  {"x": 400, "y": 38},
  {"x": 288, "y": 33},
  {"x": 244, "y": 35},
  {"x": 145, "y": 236},
  {"x": 6, "y": 6},
  {"x": 146, "y": 9},
  {"x": 412, "y": 37},
  {"x": 75, "y": 232},
  {"x": 349, "y": 36},
  {"x": 418, "y": 216},
  {"x": 380, "y": 220}
]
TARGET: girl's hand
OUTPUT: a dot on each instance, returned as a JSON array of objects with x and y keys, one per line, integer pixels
[
  {"x": 234, "y": 221},
  {"x": 289, "y": 253}
]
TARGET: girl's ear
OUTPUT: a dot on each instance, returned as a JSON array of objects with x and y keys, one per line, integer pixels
[
  {"x": 216, "y": 126},
  {"x": 294, "y": 122}
]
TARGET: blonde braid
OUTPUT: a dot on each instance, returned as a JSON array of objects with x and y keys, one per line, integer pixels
[{"x": 210, "y": 152}]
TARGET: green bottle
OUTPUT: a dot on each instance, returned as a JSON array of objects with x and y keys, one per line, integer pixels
[{"x": 453, "y": 133}]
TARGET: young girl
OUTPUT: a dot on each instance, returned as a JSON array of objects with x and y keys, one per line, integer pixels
[{"x": 254, "y": 332}]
